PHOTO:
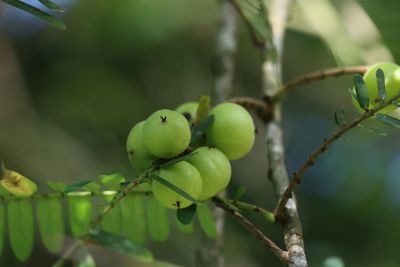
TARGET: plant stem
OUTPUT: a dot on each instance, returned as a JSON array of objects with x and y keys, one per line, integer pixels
[
  {"x": 319, "y": 75},
  {"x": 297, "y": 176},
  {"x": 269, "y": 216}
]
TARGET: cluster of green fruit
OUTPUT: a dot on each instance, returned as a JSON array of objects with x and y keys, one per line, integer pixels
[
  {"x": 391, "y": 73},
  {"x": 167, "y": 134}
]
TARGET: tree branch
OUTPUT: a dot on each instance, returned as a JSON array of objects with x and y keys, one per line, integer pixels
[
  {"x": 249, "y": 226},
  {"x": 319, "y": 75},
  {"x": 297, "y": 176},
  {"x": 277, "y": 173}
]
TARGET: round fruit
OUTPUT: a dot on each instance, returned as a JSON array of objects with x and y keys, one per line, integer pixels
[
  {"x": 184, "y": 176},
  {"x": 214, "y": 168},
  {"x": 392, "y": 85},
  {"x": 232, "y": 131},
  {"x": 139, "y": 156},
  {"x": 166, "y": 133},
  {"x": 189, "y": 110}
]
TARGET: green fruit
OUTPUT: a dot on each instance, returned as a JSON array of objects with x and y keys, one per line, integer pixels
[
  {"x": 139, "y": 156},
  {"x": 233, "y": 130},
  {"x": 392, "y": 86},
  {"x": 214, "y": 168},
  {"x": 189, "y": 110},
  {"x": 166, "y": 133},
  {"x": 183, "y": 175}
]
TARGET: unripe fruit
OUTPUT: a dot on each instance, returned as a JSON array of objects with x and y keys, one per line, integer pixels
[
  {"x": 189, "y": 110},
  {"x": 139, "y": 156},
  {"x": 214, "y": 168},
  {"x": 166, "y": 133},
  {"x": 392, "y": 86},
  {"x": 184, "y": 176},
  {"x": 232, "y": 131}
]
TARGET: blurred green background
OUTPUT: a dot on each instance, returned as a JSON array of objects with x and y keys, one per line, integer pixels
[{"x": 69, "y": 98}]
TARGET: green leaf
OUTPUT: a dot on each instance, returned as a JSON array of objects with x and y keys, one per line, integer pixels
[
  {"x": 388, "y": 120},
  {"x": 121, "y": 244},
  {"x": 206, "y": 221},
  {"x": 82, "y": 185},
  {"x": 134, "y": 218},
  {"x": 51, "y": 223},
  {"x": 37, "y": 12},
  {"x": 86, "y": 260},
  {"x": 396, "y": 103},
  {"x": 200, "y": 131},
  {"x": 2, "y": 226},
  {"x": 158, "y": 222},
  {"x": 173, "y": 187},
  {"x": 380, "y": 79},
  {"x": 186, "y": 215},
  {"x": 20, "y": 226},
  {"x": 80, "y": 214},
  {"x": 333, "y": 261},
  {"x": 112, "y": 221},
  {"x": 239, "y": 193},
  {"x": 202, "y": 109},
  {"x": 185, "y": 228},
  {"x": 339, "y": 118},
  {"x": 371, "y": 130},
  {"x": 113, "y": 180},
  {"x": 255, "y": 13},
  {"x": 56, "y": 186},
  {"x": 51, "y": 5},
  {"x": 361, "y": 91}
]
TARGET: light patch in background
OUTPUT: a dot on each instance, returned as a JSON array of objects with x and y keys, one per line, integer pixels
[
  {"x": 20, "y": 24},
  {"x": 392, "y": 182}
]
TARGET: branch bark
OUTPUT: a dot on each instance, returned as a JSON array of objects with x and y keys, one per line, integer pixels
[{"x": 277, "y": 172}]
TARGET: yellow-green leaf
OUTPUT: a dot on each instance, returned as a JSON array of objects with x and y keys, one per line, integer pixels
[
  {"x": 2, "y": 226},
  {"x": 134, "y": 218},
  {"x": 51, "y": 223},
  {"x": 206, "y": 221},
  {"x": 20, "y": 226},
  {"x": 80, "y": 214},
  {"x": 157, "y": 220},
  {"x": 185, "y": 228},
  {"x": 16, "y": 183},
  {"x": 112, "y": 221}
]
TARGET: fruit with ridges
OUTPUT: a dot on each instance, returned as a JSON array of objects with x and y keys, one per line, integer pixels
[
  {"x": 184, "y": 176},
  {"x": 139, "y": 156},
  {"x": 188, "y": 109},
  {"x": 392, "y": 86},
  {"x": 166, "y": 133},
  {"x": 214, "y": 168},
  {"x": 232, "y": 131}
]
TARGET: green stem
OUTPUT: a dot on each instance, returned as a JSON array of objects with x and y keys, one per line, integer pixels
[{"x": 269, "y": 216}]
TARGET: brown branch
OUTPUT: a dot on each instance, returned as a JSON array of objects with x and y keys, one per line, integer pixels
[
  {"x": 261, "y": 109},
  {"x": 319, "y": 75},
  {"x": 254, "y": 230},
  {"x": 297, "y": 176}
]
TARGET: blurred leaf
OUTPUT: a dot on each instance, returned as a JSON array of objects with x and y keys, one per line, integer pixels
[
  {"x": 113, "y": 180},
  {"x": 20, "y": 226},
  {"x": 186, "y": 215},
  {"x": 396, "y": 103},
  {"x": 388, "y": 120},
  {"x": 333, "y": 261},
  {"x": 112, "y": 220},
  {"x": 173, "y": 187},
  {"x": 80, "y": 214},
  {"x": 380, "y": 79},
  {"x": 206, "y": 221},
  {"x": 361, "y": 91},
  {"x": 82, "y": 185},
  {"x": 255, "y": 13},
  {"x": 371, "y": 130},
  {"x": 2, "y": 226},
  {"x": 37, "y": 12},
  {"x": 51, "y": 5},
  {"x": 157, "y": 220},
  {"x": 51, "y": 223},
  {"x": 86, "y": 261},
  {"x": 239, "y": 193},
  {"x": 56, "y": 186},
  {"x": 16, "y": 183},
  {"x": 202, "y": 110},
  {"x": 121, "y": 244},
  {"x": 201, "y": 129},
  {"x": 134, "y": 218},
  {"x": 185, "y": 228}
]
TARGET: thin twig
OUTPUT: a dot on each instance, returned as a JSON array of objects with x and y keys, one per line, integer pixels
[
  {"x": 277, "y": 173},
  {"x": 249, "y": 226},
  {"x": 269, "y": 216},
  {"x": 261, "y": 109},
  {"x": 320, "y": 75},
  {"x": 297, "y": 176}
]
